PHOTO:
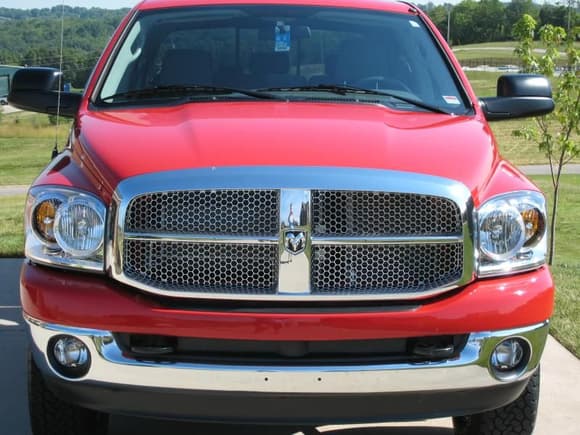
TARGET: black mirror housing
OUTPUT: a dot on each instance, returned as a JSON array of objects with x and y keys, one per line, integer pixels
[
  {"x": 524, "y": 85},
  {"x": 519, "y": 96},
  {"x": 36, "y": 90}
]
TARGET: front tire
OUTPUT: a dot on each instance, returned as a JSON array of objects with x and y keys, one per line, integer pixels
[
  {"x": 516, "y": 418},
  {"x": 49, "y": 415}
]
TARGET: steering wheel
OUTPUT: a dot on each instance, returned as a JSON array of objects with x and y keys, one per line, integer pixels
[{"x": 382, "y": 82}]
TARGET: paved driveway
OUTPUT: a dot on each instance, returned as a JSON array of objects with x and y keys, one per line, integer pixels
[
  {"x": 559, "y": 404},
  {"x": 9, "y": 109}
]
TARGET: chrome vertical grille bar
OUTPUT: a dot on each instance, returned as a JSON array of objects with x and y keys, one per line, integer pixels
[{"x": 295, "y": 232}]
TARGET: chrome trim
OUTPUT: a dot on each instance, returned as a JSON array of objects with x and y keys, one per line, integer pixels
[
  {"x": 515, "y": 373},
  {"x": 288, "y": 179},
  {"x": 51, "y": 254},
  {"x": 200, "y": 238},
  {"x": 294, "y": 267},
  {"x": 470, "y": 370},
  {"x": 426, "y": 240},
  {"x": 514, "y": 264},
  {"x": 38, "y": 253},
  {"x": 492, "y": 271}
]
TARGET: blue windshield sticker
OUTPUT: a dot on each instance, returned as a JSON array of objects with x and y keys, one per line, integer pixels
[{"x": 282, "y": 42}]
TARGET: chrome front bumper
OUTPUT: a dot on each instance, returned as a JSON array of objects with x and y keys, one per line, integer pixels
[{"x": 467, "y": 372}]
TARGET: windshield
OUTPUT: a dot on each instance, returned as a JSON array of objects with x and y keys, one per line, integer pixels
[{"x": 300, "y": 53}]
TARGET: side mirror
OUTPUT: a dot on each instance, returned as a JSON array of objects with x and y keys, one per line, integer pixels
[
  {"x": 33, "y": 89},
  {"x": 519, "y": 96}
]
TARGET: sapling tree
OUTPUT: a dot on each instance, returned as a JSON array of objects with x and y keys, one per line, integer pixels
[{"x": 556, "y": 134}]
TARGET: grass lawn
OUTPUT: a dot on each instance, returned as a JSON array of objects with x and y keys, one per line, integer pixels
[
  {"x": 496, "y": 52},
  {"x": 537, "y": 44},
  {"x": 26, "y": 141},
  {"x": 21, "y": 160},
  {"x": 566, "y": 269},
  {"x": 514, "y": 149},
  {"x": 11, "y": 226},
  {"x": 486, "y": 57}
]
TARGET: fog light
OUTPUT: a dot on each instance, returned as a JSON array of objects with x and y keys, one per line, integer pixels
[
  {"x": 510, "y": 358},
  {"x": 70, "y": 352},
  {"x": 69, "y": 356}
]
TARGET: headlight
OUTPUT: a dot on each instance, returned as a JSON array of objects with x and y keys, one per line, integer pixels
[
  {"x": 43, "y": 217},
  {"x": 65, "y": 227},
  {"x": 79, "y": 227},
  {"x": 511, "y": 233}
]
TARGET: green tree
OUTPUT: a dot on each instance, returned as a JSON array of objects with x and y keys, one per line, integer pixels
[
  {"x": 556, "y": 15},
  {"x": 515, "y": 10},
  {"x": 463, "y": 23},
  {"x": 438, "y": 15},
  {"x": 32, "y": 37},
  {"x": 556, "y": 134},
  {"x": 490, "y": 20}
]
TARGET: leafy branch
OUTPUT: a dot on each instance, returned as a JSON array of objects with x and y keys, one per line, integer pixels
[{"x": 557, "y": 133}]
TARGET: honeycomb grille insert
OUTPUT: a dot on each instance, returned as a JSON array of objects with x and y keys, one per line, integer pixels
[
  {"x": 209, "y": 268},
  {"x": 231, "y": 243},
  {"x": 236, "y": 212},
  {"x": 350, "y": 213},
  {"x": 385, "y": 269}
]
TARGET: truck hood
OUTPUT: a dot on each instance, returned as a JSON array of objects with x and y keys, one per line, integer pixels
[{"x": 121, "y": 144}]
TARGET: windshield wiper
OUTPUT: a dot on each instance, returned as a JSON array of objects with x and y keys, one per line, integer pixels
[
  {"x": 180, "y": 91},
  {"x": 346, "y": 89}
]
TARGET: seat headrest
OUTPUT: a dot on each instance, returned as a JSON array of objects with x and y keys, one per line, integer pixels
[
  {"x": 186, "y": 67},
  {"x": 357, "y": 59},
  {"x": 270, "y": 63}
]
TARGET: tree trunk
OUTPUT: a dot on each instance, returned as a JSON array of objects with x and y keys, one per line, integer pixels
[{"x": 553, "y": 222}]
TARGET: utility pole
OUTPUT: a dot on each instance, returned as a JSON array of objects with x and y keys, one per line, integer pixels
[
  {"x": 570, "y": 7},
  {"x": 449, "y": 7}
]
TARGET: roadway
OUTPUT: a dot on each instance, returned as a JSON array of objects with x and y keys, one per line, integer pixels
[
  {"x": 558, "y": 413},
  {"x": 9, "y": 109}
]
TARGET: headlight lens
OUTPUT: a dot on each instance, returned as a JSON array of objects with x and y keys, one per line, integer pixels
[
  {"x": 511, "y": 233},
  {"x": 65, "y": 227},
  {"x": 501, "y": 231},
  {"x": 44, "y": 215},
  {"x": 79, "y": 227}
]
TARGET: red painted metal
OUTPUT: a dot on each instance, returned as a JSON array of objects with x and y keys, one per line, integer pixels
[
  {"x": 109, "y": 146},
  {"x": 262, "y": 133},
  {"x": 383, "y": 5},
  {"x": 114, "y": 145},
  {"x": 90, "y": 301}
]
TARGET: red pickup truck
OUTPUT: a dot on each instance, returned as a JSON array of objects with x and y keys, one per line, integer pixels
[{"x": 287, "y": 212}]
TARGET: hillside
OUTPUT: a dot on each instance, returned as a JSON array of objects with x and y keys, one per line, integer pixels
[{"x": 32, "y": 37}]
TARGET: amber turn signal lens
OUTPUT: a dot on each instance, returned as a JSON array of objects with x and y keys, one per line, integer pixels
[
  {"x": 43, "y": 219},
  {"x": 534, "y": 225}
]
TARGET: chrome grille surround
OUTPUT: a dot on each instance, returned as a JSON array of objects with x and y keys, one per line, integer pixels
[{"x": 290, "y": 264}]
